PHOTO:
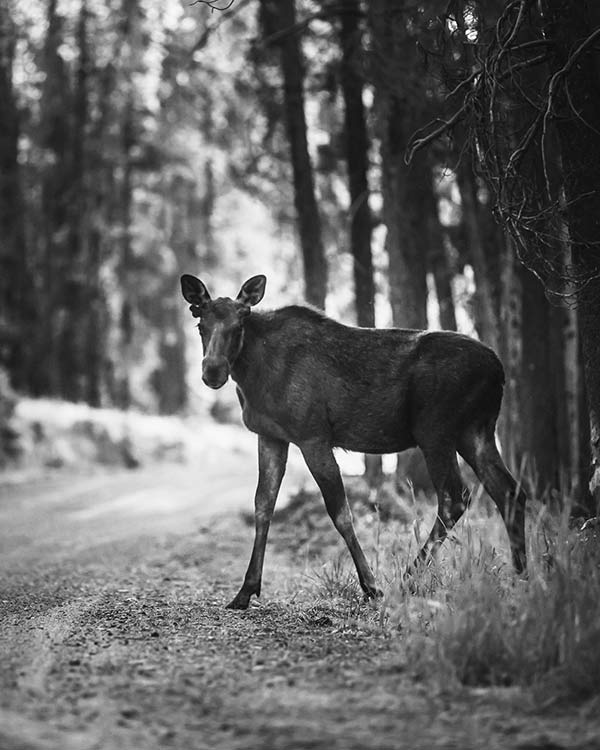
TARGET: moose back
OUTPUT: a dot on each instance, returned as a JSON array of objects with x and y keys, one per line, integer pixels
[{"x": 306, "y": 379}]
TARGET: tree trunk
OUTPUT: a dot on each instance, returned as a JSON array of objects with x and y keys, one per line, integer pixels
[
  {"x": 393, "y": 61},
  {"x": 210, "y": 255},
  {"x": 396, "y": 119},
  {"x": 16, "y": 310},
  {"x": 403, "y": 216},
  {"x": 131, "y": 33},
  {"x": 282, "y": 19},
  {"x": 96, "y": 318},
  {"x": 71, "y": 344},
  {"x": 541, "y": 385},
  {"x": 544, "y": 438},
  {"x": 102, "y": 197},
  {"x": 357, "y": 161},
  {"x": 511, "y": 354},
  {"x": 169, "y": 378},
  {"x": 432, "y": 246},
  {"x": 442, "y": 275},
  {"x": 126, "y": 323},
  {"x": 55, "y": 137},
  {"x": 476, "y": 218},
  {"x": 567, "y": 24},
  {"x": 486, "y": 317}
]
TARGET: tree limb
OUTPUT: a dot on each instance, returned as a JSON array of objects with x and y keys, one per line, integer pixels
[
  {"x": 213, "y": 4},
  {"x": 226, "y": 16},
  {"x": 419, "y": 143}
]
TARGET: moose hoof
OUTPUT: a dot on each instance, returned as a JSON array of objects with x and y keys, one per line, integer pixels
[
  {"x": 240, "y": 601},
  {"x": 372, "y": 592}
]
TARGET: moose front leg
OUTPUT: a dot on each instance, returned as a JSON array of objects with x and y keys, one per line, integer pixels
[
  {"x": 272, "y": 458},
  {"x": 323, "y": 466}
]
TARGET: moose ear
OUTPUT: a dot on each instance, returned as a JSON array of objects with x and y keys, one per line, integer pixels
[
  {"x": 194, "y": 291},
  {"x": 252, "y": 291}
]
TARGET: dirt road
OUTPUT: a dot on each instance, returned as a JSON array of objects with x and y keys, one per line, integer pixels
[{"x": 113, "y": 634}]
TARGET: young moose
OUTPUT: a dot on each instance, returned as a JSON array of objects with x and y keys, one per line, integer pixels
[{"x": 303, "y": 378}]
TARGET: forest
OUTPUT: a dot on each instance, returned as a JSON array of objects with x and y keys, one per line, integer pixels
[{"x": 394, "y": 162}]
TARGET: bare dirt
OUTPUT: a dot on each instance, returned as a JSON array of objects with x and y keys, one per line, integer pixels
[{"x": 121, "y": 640}]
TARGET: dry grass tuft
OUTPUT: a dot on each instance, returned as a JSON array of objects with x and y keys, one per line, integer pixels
[{"x": 466, "y": 616}]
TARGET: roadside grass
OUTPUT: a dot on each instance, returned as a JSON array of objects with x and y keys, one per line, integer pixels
[
  {"x": 466, "y": 617},
  {"x": 543, "y": 632}
]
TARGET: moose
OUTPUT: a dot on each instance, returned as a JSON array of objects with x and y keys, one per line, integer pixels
[{"x": 307, "y": 379}]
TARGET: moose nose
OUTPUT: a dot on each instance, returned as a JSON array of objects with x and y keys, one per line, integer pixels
[{"x": 215, "y": 372}]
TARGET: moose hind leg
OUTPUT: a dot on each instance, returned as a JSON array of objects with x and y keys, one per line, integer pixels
[
  {"x": 480, "y": 452},
  {"x": 323, "y": 466},
  {"x": 452, "y": 495},
  {"x": 272, "y": 458}
]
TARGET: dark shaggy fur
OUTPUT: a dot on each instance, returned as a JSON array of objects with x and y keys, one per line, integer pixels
[{"x": 303, "y": 378}]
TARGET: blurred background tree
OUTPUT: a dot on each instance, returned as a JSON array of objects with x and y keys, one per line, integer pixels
[{"x": 140, "y": 139}]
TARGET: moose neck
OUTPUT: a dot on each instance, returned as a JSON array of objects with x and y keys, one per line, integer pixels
[{"x": 248, "y": 362}]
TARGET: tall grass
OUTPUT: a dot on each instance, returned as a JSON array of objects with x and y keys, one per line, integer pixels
[
  {"x": 474, "y": 620},
  {"x": 492, "y": 628},
  {"x": 543, "y": 632}
]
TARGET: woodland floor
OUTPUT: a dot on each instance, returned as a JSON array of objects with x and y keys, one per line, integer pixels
[{"x": 125, "y": 643}]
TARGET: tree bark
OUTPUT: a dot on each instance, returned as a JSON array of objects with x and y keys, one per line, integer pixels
[
  {"x": 541, "y": 387},
  {"x": 16, "y": 310},
  {"x": 568, "y": 24},
  {"x": 102, "y": 197},
  {"x": 357, "y": 162},
  {"x": 442, "y": 276},
  {"x": 511, "y": 354},
  {"x": 396, "y": 118},
  {"x": 128, "y": 309},
  {"x": 397, "y": 112},
  {"x": 127, "y": 312},
  {"x": 403, "y": 216},
  {"x": 169, "y": 378},
  {"x": 432, "y": 246},
  {"x": 282, "y": 18},
  {"x": 71, "y": 344},
  {"x": 55, "y": 137},
  {"x": 544, "y": 435},
  {"x": 96, "y": 323},
  {"x": 486, "y": 317}
]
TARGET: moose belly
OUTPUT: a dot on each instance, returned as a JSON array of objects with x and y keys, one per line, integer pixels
[
  {"x": 372, "y": 426},
  {"x": 352, "y": 426},
  {"x": 373, "y": 439},
  {"x": 373, "y": 444}
]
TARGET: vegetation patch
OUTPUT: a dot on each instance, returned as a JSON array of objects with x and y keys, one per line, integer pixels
[
  {"x": 54, "y": 434},
  {"x": 542, "y": 632},
  {"x": 464, "y": 618}
]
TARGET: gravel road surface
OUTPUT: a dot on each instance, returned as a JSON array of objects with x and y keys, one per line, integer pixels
[{"x": 114, "y": 635}]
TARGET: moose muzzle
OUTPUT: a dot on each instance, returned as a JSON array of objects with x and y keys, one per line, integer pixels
[{"x": 215, "y": 371}]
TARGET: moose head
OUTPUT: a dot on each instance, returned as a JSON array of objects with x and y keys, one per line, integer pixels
[{"x": 221, "y": 324}]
